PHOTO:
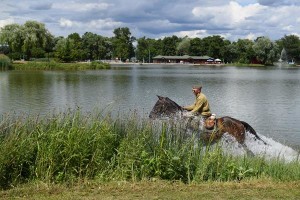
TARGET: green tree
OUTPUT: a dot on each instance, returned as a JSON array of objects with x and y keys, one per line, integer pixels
[
  {"x": 32, "y": 39},
  {"x": 142, "y": 49},
  {"x": 230, "y": 53},
  {"x": 63, "y": 49},
  {"x": 245, "y": 51},
  {"x": 291, "y": 43},
  {"x": 122, "y": 43},
  {"x": 183, "y": 47},
  {"x": 147, "y": 48},
  {"x": 104, "y": 47},
  {"x": 195, "y": 47},
  {"x": 169, "y": 45},
  {"x": 36, "y": 38},
  {"x": 265, "y": 50},
  {"x": 213, "y": 46},
  {"x": 90, "y": 45},
  {"x": 76, "y": 53},
  {"x": 12, "y": 35}
]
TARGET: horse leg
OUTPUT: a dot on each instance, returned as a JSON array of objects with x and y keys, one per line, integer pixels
[{"x": 248, "y": 151}]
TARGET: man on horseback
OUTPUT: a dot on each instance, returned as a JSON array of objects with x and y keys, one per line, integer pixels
[{"x": 201, "y": 105}]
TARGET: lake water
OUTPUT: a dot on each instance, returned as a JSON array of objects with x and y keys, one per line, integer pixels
[{"x": 267, "y": 98}]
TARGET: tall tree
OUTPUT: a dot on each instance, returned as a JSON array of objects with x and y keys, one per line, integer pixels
[
  {"x": 63, "y": 49},
  {"x": 245, "y": 50},
  {"x": 213, "y": 46},
  {"x": 90, "y": 45},
  {"x": 183, "y": 47},
  {"x": 169, "y": 45},
  {"x": 291, "y": 43},
  {"x": 76, "y": 53},
  {"x": 12, "y": 36},
  {"x": 265, "y": 50},
  {"x": 32, "y": 39},
  {"x": 147, "y": 48},
  {"x": 36, "y": 38},
  {"x": 230, "y": 53},
  {"x": 122, "y": 43},
  {"x": 195, "y": 47}
]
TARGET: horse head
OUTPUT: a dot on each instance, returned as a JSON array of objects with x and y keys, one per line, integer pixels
[{"x": 164, "y": 107}]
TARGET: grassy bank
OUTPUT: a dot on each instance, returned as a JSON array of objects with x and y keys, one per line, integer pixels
[
  {"x": 52, "y": 65},
  {"x": 254, "y": 189},
  {"x": 245, "y": 65},
  {"x": 72, "y": 147}
]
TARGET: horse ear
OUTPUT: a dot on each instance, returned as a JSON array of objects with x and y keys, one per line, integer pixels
[{"x": 159, "y": 97}]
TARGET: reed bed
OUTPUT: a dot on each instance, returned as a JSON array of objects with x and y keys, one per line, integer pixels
[
  {"x": 52, "y": 65},
  {"x": 73, "y": 146}
]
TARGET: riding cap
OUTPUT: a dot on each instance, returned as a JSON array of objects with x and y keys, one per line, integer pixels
[{"x": 197, "y": 87}]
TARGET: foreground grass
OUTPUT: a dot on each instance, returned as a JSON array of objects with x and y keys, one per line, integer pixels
[
  {"x": 255, "y": 189},
  {"x": 66, "y": 148},
  {"x": 52, "y": 65}
]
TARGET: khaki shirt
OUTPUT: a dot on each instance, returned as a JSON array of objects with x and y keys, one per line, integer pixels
[{"x": 200, "y": 107}]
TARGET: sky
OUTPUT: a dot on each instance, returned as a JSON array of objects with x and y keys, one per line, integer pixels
[{"x": 233, "y": 20}]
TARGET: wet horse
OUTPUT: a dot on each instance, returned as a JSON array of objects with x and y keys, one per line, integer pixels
[{"x": 213, "y": 129}]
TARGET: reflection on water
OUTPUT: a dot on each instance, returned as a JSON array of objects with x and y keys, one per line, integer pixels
[{"x": 268, "y": 99}]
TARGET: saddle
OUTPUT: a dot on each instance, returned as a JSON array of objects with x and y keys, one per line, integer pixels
[{"x": 210, "y": 123}]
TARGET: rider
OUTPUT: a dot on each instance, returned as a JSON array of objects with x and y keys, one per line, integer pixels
[{"x": 201, "y": 105}]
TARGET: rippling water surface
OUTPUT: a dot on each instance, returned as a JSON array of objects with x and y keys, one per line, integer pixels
[{"x": 267, "y": 98}]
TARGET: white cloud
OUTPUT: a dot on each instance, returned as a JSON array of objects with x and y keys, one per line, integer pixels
[
  {"x": 5, "y": 22},
  {"x": 192, "y": 34},
  {"x": 251, "y": 36},
  {"x": 231, "y": 19},
  {"x": 288, "y": 28},
  {"x": 231, "y": 14},
  {"x": 103, "y": 24},
  {"x": 65, "y": 23},
  {"x": 95, "y": 26},
  {"x": 80, "y": 7}
]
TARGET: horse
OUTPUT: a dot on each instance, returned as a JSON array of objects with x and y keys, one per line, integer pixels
[{"x": 213, "y": 128}]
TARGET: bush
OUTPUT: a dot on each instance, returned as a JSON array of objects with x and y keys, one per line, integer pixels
[{"x": 5, "y": 62}]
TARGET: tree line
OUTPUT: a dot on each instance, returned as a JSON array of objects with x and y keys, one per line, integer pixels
[{"x": 32, "y": 40}]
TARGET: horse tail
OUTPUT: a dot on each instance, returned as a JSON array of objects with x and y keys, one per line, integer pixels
[{"x": 252, "y": 131}]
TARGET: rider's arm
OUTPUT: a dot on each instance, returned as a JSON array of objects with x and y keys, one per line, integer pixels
[
  {"x": 198, "y": 106},
  {"x": 189, "y": 108}
]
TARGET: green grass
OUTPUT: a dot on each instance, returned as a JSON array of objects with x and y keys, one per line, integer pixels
[
  {"x": 157, "y": 189},
  {"x": 52, "y": 65},
  {"x": 69, "y": 147}
]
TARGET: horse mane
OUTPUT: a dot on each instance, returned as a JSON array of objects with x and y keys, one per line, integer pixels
[{"x": 164, "y": 107}]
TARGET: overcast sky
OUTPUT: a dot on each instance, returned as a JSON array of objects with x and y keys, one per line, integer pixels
[{"x": 158, "y": 18}]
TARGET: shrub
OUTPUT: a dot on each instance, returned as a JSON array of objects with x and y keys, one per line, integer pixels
[{"x": 5, "y": 62}]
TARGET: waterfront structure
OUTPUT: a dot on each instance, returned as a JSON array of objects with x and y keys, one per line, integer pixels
[{"x": 186, "y": 59}]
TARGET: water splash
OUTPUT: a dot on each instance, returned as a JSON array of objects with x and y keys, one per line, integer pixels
[{"x": 273, "y": 149}]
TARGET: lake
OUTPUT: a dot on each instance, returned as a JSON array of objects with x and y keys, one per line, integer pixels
[{"x": 267, "y": 98}]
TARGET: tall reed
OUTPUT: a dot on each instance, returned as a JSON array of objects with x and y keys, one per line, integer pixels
[{"x": 71, "y": 146}]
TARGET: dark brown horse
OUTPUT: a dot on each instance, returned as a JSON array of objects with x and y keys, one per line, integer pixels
[{"x": 213, "y": 128}]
